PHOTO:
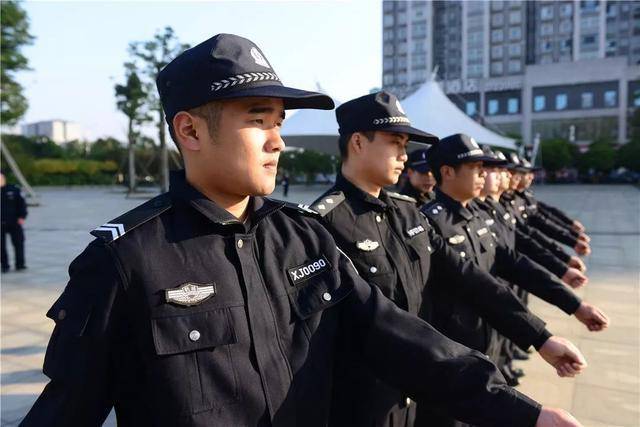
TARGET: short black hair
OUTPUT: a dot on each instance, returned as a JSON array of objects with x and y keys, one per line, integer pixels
[
  {"x": 438, "y": 176},
  {"x": 343, "y": 141}
]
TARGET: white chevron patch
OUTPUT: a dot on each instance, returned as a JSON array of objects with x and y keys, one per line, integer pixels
[
  {"x": 116, "y": 230},
  {"x": 386, "y": 120},
  {"x": 240, "y": 79}
]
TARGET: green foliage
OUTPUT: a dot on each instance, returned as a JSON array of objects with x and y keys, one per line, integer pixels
[
  {"x": 556, "y": 154},
  {"x": 14, "y": 28},
  {"x": 131, "y": 99},
  {"x": 601, "y": 157},
  {"x": 628, "y": 155},
  {"x": 308, "y": 163}
]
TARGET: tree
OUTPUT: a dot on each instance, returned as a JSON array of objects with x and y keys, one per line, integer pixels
[
  {"x": 130, "y": 99},
  {"x": 14, "y": 27},
  {"x": 154, "y": 55},
  {"x": 556, "y": 154},
  {"x": 601, "y": 157}
]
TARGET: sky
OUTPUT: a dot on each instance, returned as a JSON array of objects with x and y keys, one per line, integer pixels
[{"x": 80, "y": 48}]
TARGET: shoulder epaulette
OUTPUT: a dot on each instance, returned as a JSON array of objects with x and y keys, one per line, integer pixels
[
  {"x": 327, "y": 203},
  {"x": 402, "y": 197},
  {"x": 432, "y": 209},
  {"x": 299, "y": 207},
  {"x": 121, "y": 225}
]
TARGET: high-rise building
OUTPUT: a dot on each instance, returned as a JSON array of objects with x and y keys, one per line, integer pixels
[
  {"x": 540, "y": 67},
  {"x": 58, "y": 131}
]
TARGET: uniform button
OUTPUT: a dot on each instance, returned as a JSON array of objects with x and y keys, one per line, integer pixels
[
  {"x": 373, "y": 269},
  {"x": 62, "y": 314},
  {"x": 194, "y": 335},
  {"x": 407, "y": 401},
  {"x": 326, "y": 296},
  {"x": 429, "y": 248},
  {"x": 240, "y": 243},
  {"x": 462, "y": 254},
  {"x": 378, "y": 218}
]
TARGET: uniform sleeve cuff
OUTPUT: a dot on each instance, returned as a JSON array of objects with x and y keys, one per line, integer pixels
[{"x": 544, "y": 336}]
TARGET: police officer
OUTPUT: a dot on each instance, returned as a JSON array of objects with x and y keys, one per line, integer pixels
[
  {"x": 457, "y": 165},
  {"x": 393, "y": 247},
  {"x": 420, "y": 181},
  {"x": 214, "y": 305},
  {"x": 14, "y": 213}
]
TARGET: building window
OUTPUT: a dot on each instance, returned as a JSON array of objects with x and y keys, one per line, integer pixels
[
  {"x": 419, "y": 30},
  {"x": 612, "y": 10},
  {"x": 402, "y": 48},
  {"x": 496, "y": 68},
  {"x": 589, "y": 5},
  {"x": 388, "y": 79},
  {"x": 515, "y": 49},
  {"x": 387, "y": 35},
  {"x": 561, "y": 101},
  {"x": 388, "y": 49},
  {"x": 636, "y": 98},
  {"x": 401, "y": 33},
  {"x": 496, "y": 52},
  {"x": 546, "y": 46},
  {"x": 402, "y": 78},
  {"x": 402, "y": 62},
  {"x": 566, "y": 44},
  {"x": 539, "y": 103},
  {"x": 610, "y": 98},
  {"x": 515, "y": 66},
  {"x": 566, "y": 10},
  {"x": 497, "y": 35},
  {"x": 388, "y": 64},
  {"x": 474, "y": 70},
  {"x": 387, "y": 20},
  {"x": 497, "y": 5},
  {"x": 493, "y": 107},
  {"x": 497, "y": 20},
  {"x": 546, "y": 12},
  {"x": 402, "y": 16},
  {"x": 546, "y": 29},
  {"x": 513, "y": 105},
  {"x": 471, "y": 108},
  {"x": 387, "y": 6},
  {"x": 590, "y": 39},
  {"x": 565, "y": 26},
  {"x": 586, "y": 100},
  {"x": 419, "y": 60},
  {"x": 515, "y": 33},
  {"x": 515, "y": 17}
]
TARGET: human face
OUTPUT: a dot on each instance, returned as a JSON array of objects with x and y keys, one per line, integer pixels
[
  {"x": 241, "y": 159},
  {"x": 527, "y": 179},
  {"x": 382, "y": 159},
  {"x": 466, "y": 182},
  {"x": 505, "y": 180},
  {"x": 492, "y": 181},
  {"x": 421, "y": 181},
  {"x": 516, "y": 177}
]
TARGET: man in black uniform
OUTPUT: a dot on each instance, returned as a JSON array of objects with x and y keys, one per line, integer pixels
[
  {"x": 420, "y": 181},
  {"x": 14, "y": 213},
  {"x": 213, "y": 305},
  {"x": 393, "y": 247},
  {"x": 457, "y": 165}
]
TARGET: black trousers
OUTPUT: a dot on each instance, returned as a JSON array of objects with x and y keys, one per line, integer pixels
[{"x": 17, "y": 239}]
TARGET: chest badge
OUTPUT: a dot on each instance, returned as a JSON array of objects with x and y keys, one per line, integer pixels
[
  {"x": 367, "y": 245},
  {"x": 190, "y": 293},
  {"x": 415, "y": 230},
  {"x": 457, "y": 239},
  {"x": 481, "y": 232}
]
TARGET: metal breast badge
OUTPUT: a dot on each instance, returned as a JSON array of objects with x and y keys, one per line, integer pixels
[
  {"x": 190, "y": 293},
  {"x": 367, "y": 245}
]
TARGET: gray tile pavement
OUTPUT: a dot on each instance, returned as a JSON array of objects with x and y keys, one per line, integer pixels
[{"x": 607, "y": 394}]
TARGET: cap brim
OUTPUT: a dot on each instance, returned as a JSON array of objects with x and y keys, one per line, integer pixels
[
  {"x": 422, "y": 168},
  {"x": 496, "y": 163},
  {"x": 294, "y": 99},
  {"x": 415, "y": 135}
]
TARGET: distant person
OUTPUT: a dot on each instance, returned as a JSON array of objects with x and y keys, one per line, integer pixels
[
  {"x": 285, "y": 185},
  {"x": 14, "y": 212},
  {"x": 420, "y": 181}
]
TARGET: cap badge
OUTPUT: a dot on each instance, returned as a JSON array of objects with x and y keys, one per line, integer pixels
[
  {"x": 190, "y": 293},
  {"x": 474, "y": 143},
  {"x": 400, "y": 107},
  {"x": 367, "y": 245},
  {"x": 258, "y": 58}
]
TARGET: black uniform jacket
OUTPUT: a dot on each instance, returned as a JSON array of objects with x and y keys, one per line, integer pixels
[
  {"x": 421, "y": 198},
  {"x": 393, "y": 247},
  {"x": 180, "y": 315},
  {"x": 507, "y": 234},
  {"x": 469, "y": 235},
  {"x": 12, "y": 205}
]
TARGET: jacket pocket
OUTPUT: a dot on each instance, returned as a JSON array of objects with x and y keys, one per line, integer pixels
[{"x": 195, "y": 358}]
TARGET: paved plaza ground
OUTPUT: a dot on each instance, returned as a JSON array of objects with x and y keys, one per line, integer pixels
[{"x": 607, "y": 394}]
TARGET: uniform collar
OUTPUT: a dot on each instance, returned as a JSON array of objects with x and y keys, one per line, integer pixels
[
  {"x": 354, "y": 192},
  {"x": 453, "y": 205},
  {"x": 260, "y": 207}
]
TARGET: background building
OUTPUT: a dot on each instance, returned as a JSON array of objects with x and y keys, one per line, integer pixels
[
  {"x": 58, "y": 131},
  {"x": 554, "y": 68}
]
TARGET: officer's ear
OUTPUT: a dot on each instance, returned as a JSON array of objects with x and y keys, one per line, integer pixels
[
  {"x": 448, "y": 173},
  {"x": 188, "y": 130},
  {"x": 356, "y": 142}
]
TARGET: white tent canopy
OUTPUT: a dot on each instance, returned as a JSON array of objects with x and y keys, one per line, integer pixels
[{"x": 430, "y": 109}]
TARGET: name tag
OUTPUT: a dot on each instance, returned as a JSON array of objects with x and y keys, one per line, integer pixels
[
  {"x": 415, "y": 231},
  {"x": 482, "y": 231},
  {"x": 308, "y": 270}
]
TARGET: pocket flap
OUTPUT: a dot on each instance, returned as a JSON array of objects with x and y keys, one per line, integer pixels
[
  {"x": 192, "y": 331},
  {"x": 317, "y": 295}
]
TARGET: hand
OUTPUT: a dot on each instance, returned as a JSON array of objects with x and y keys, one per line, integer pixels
[
  {"x": 582, "y": 248},
  {"x": 584, "y": 238},
  {"x": 554, "y": 417},
  {"x": 21, "y": 221},
  {"x": 564, "y": 356},
  {"x": 592, "y": 317},
  {"x": 577, "y": 226},
  {"x": 577, "y": 263},
  {"x": 574, "y": 278}
]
